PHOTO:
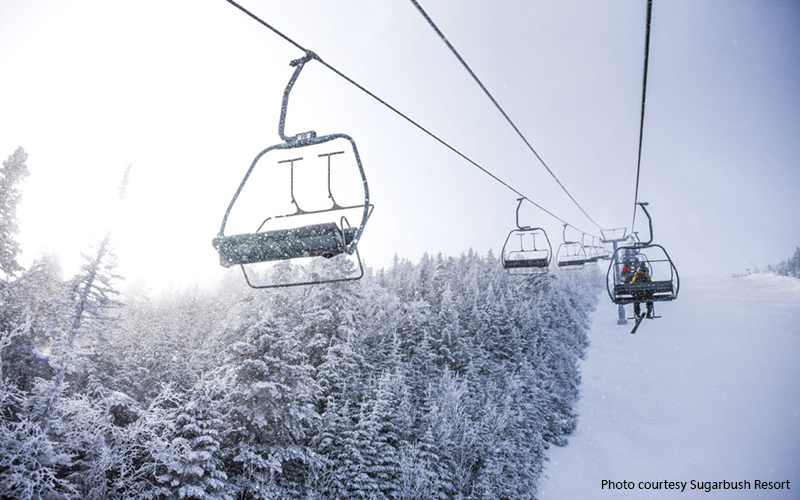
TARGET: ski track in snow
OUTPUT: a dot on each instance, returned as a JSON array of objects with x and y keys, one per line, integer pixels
[{"x": 710, "y": 392}]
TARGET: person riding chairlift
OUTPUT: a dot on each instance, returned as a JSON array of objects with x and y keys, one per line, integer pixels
[
  {"x": 626, "y": 274},
  {"x": 628, "y": 263},
  {"x": 641, "y": 276}
]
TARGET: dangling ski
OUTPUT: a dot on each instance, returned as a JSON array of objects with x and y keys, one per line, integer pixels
[{"x": 638, "y": 322}]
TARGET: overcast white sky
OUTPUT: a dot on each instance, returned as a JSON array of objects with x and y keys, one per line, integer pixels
[{"x": 188, "y": 92}]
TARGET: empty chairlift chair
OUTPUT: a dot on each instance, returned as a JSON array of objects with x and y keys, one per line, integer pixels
[
  {"x": 592, "y": 251},
  {"x": 571, "y": 254},
  {"x": 521, "y": 254},
  {"x": 322, "y": 230}
]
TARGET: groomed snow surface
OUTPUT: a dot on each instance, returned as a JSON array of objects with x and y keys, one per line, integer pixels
[{"x": 709, "y": 392}]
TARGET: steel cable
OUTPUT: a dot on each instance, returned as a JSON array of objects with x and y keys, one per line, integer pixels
[
  {"x": 644, "y": 98},
  {"x": 499, "y": 108},
  {"x": 404, "y": 116}
]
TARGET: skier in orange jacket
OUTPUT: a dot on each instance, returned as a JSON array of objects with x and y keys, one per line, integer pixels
[{"x": 641, "y": 276}]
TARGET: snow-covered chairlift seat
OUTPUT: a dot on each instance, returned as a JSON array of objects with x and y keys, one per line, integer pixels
[
  {"x": 652, "y": 291},
  {"x": 574, "y": 262},
  {"x": 316, "y": 240},
  {"x": 514, "y": 262}
]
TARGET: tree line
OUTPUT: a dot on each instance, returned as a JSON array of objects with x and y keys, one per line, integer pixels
[
  {"x": 442, "y": 379},
  {"x": 789, "y": 267}
]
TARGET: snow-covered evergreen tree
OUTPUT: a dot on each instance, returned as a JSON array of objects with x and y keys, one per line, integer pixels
[
  {"x": 93, "y": 302},
  {"x": 272, "y": 411},
  {"x": 14, "y": 170},
  {"x": 29, "y": 459},
  {"x": 789, "y": 267},
  {"x": 191, "y": 466},
  {"x": 367, "y": 466}
]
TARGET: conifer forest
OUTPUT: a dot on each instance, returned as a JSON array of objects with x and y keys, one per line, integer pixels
[{"x": 442, "y": 379}]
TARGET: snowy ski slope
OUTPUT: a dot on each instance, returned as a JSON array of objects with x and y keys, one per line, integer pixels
[{"x": 709, "y": 392}]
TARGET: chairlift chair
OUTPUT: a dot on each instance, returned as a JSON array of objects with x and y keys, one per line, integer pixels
[
  {"x": 570, "y": 254},
  {"x": 601, "y": 248},
  {"x": 318, "y": 232},
  {"x": 592, "y": 251},
  {"x": 521, "y": 255},
  {"x": 664, "y": 283}
]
